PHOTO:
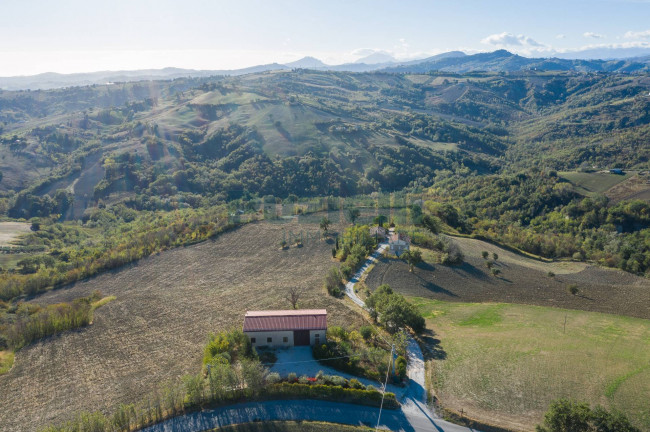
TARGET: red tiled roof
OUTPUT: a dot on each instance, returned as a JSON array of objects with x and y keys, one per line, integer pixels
[{"x": 301, "y": 319}]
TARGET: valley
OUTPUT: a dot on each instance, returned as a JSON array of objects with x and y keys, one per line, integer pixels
[{"x": 193, "y": 200}]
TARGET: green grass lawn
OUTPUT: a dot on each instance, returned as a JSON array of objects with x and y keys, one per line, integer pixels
[
  {"x": 593, "y": 183},
  {"x": 504, "y": 363}
]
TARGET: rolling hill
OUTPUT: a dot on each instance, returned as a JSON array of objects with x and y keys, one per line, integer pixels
[{"x": 162, "y": 144}]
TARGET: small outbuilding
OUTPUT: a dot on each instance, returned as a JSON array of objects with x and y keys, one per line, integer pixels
[{"x": 286, "y": 328}]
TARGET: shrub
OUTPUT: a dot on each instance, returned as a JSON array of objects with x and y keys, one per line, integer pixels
[
  {"x": 485, "y": 254},
  {"x": 338, "y": 381},
  {"x": 551, "y": 274},
  {"x": 565, "y": 415},
  {"x": 333, "y": 281},
  {"x": 496, "y": 272},
  {"x": 227, "y": 345},
  {"x": 393, "y": 311},
  {"x": 268, "y": 357},
  {"x": 573, "y": 289},
  {"x": 273, "y": 378},
  {"x": 366, "y": 332},
  {"x": 39, "y": 323},
  {"x": 400, "y": 367},
  {"x": 336, "y": 332},
  {"x": 356, "y": 384},
  {"x": 347, "y": 271}
]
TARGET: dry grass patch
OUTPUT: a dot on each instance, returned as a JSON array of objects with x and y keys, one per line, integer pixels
[
  {"x": 6, "y": 361},
  {"x": 101, "y": 302},
  {"x": 11, "y": 231},
  {"x": 505, "y": 363}
]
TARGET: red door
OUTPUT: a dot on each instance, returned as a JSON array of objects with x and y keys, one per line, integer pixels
[{"x": 301, "y": 337}]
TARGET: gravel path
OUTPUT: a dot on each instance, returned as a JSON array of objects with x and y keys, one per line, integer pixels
[{"x": 414, "y": 399}]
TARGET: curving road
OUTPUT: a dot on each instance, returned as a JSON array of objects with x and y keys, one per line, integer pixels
[
  {"x": 413, "y": 416},
  {"x": 308, "y": 410}
]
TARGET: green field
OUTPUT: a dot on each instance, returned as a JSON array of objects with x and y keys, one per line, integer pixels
[
  {"x": 505, "y": 363},
  {"x": 593, "y": 183}
]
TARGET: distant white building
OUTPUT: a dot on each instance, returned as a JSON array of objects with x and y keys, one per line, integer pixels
[
  {"x": 398, "y": 243},
  {"x": 277, "y": 328}
]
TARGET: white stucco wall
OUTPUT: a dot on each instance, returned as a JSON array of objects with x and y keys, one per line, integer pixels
[
  {"x": 312, "y": 336},
  {"x": 277, "y": 336}
]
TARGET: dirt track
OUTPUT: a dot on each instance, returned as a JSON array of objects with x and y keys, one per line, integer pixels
[
  {"x": 522, "y": 280},
  {"x": 155, "y": 330}
]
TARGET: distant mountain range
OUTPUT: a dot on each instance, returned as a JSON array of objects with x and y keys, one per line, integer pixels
[{"x": 453, "y": 61}]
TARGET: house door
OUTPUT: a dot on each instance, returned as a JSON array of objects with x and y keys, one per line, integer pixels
[{"x": 300, "y": 337}]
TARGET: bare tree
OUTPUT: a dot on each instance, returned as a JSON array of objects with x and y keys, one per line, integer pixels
[{"x": 293, "y": 295}]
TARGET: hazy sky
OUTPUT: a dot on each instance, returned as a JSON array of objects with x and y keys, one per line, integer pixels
[{"x": 85, "y": 35}]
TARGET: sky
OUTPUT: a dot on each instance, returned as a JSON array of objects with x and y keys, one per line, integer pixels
[{"x": 68, "y": 36}]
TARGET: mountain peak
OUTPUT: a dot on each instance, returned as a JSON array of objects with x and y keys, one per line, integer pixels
[
  {"x": 307, "y": 62},
  {"x": 376, "y": 58}
]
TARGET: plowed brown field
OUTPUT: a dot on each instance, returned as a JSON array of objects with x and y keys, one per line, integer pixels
[
  {"x": 522, "y": 280},
  {"x": 155, "y": 330}
]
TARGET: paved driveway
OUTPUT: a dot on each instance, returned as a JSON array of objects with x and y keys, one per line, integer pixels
[{"x": 301, "y": 361}]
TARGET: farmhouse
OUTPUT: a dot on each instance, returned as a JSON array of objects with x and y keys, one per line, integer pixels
[
  {"x": 398, "y": 243},
  {"x": 286, "y": 328}
]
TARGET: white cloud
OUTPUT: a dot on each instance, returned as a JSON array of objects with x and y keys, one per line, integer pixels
[
  {"x": 593, "y": 35},
  {"x": 560, "y": 36},
  {"x": 637, "y": 35},
  {"x": 509, "y": 39},
  {"x": 362, "y": 52}
]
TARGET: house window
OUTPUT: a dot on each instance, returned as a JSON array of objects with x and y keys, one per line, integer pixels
[
  {"x": 269, "y": 340},
  {"x": 285, "y": 339},
  {"x": 252, "y": 340},
  {"x": 317, "y": 337}
]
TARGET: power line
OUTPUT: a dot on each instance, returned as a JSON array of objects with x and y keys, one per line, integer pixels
[{"x": 383, "y": 393}]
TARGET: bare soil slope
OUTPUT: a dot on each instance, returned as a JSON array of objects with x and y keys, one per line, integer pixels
[
  {"x": 155, "y": 330},
  {"x": 522, "y": 280}
]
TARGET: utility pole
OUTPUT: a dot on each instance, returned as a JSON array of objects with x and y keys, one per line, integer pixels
[{"x": 383, "y": 393}]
